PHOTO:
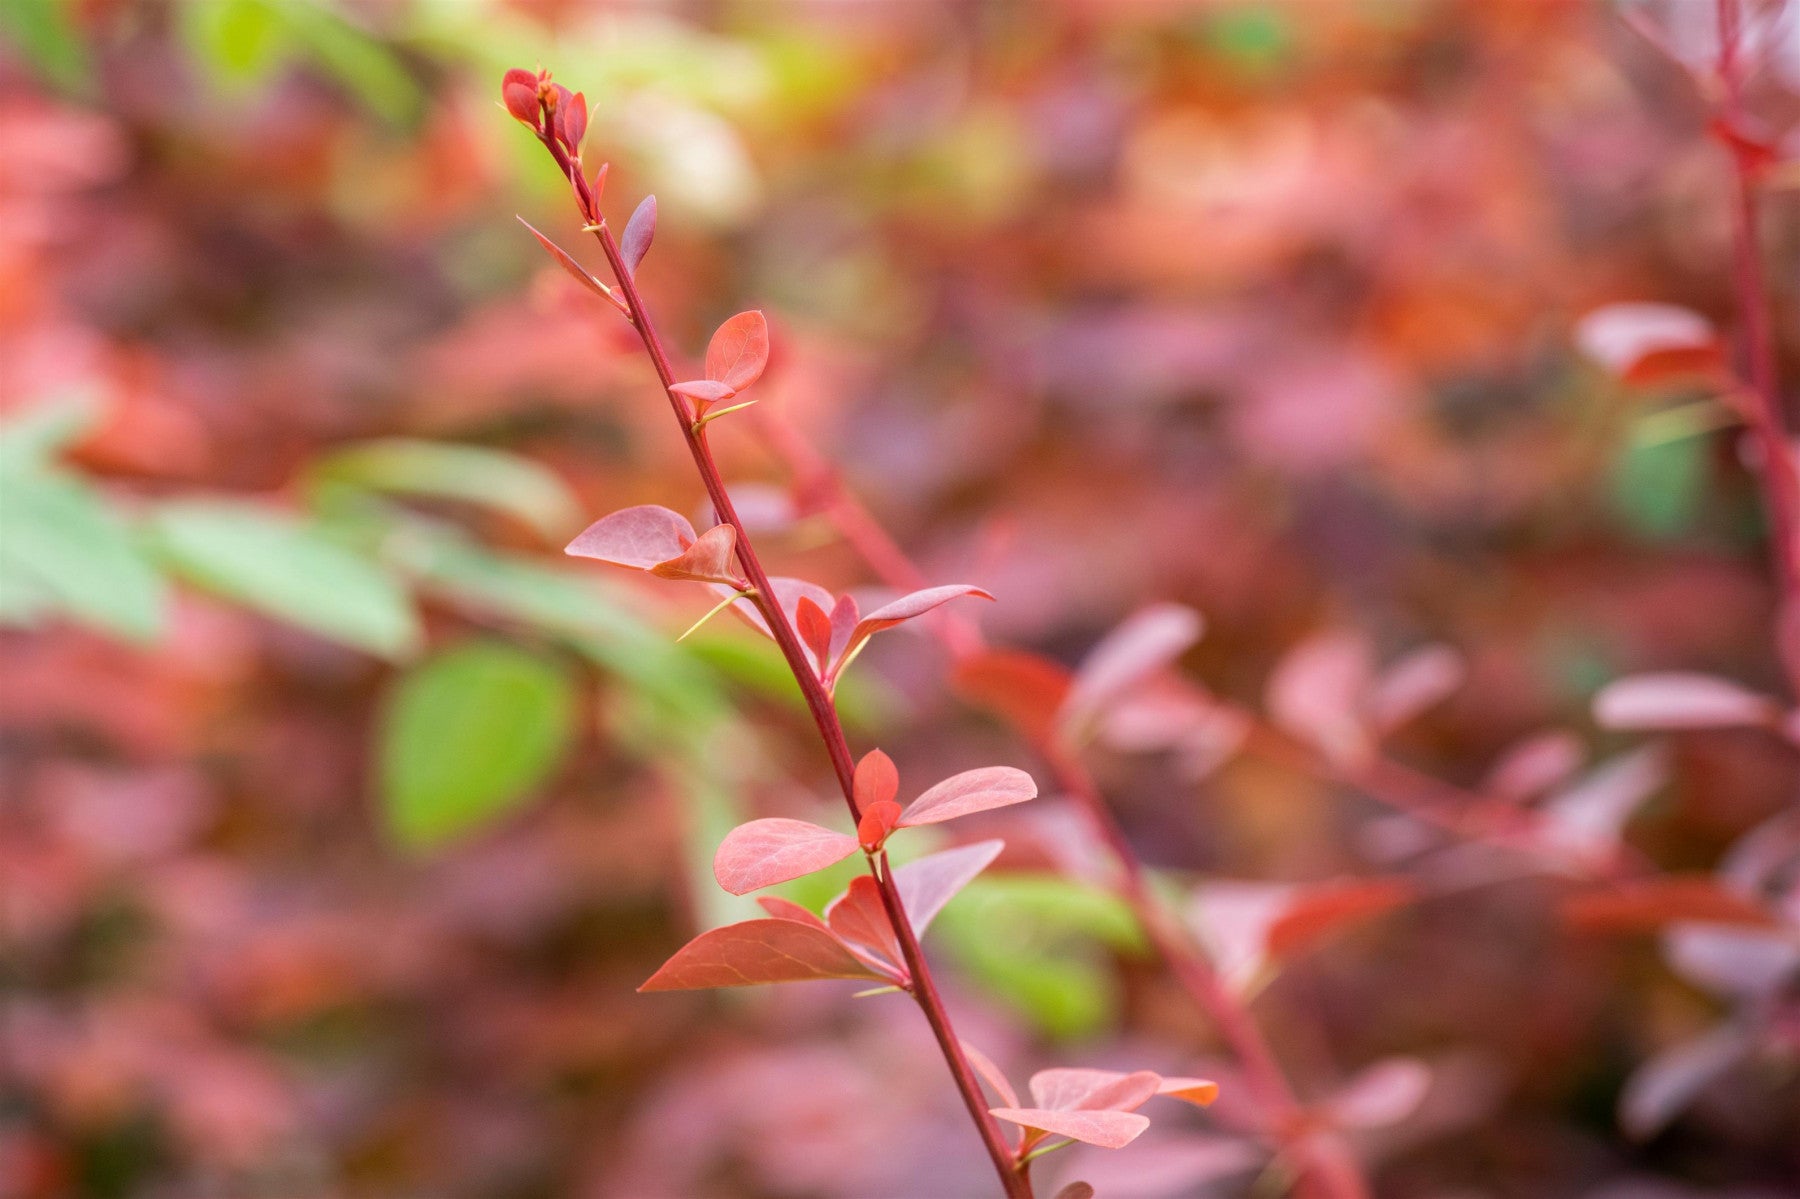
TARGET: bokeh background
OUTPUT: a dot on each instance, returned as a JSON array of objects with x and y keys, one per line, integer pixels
[{"x": 340, "y": 815}]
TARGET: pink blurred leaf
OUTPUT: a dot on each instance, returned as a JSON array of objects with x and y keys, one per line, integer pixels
[
  {"x": 519, "y": 91},
  {"x": 878, "y": 821},
  {"x": 739, "y": 351},
  {"x": 1317, "y": 692},
  {"x": 711, "y": 559},
  {"x": 1628, "y": 339},
  {"x": 765, "y": 852},
  {"x": 860, "y": 920},
  {"x": 876, "y": 780},
  {"x": 1643, "y": 904},
  {"x": 1416, "y": 682},
  {"x": 1587, "y": 820},
  {"x": 1198, "y": 1091},
  {"x": 787, "y": 594},
  {"x": 1384, "y": 1094},
  {"x": 1661, "y": 1088},
  {"x": 1144, "y": 643},
  {"x": 640, "y": 230},
  {"x": 1681, "y": 700},
  {"x": 928, "y": 883},
  {"x": 1533, "y": 766},
  {"x": 1080, "y": 1089},
  {"x": 1732, "y": 961},
  {"x": 566, "y": 261},
  {"x": 572, "y": 118},
  {"x": 639, "y": 537},
  {"x": 970, "y": 791},
  {"x": 755, "y": 952},
  {"x": 990, "y": 1073},
  {"x": 1109, "y": 1130},
  {"x": 1315, "y": 912},
  {"x": 703, "y": 391},
  {"x": 1024, "y": 689}
]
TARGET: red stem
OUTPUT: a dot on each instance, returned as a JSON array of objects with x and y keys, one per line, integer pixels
[
  {"x": 818, "y": 701},
  {"x": 1780, "y": 472}
]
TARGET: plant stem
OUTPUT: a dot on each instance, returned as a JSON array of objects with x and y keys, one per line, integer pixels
[
  {"x": 1780, "y": 472},
  {"x": 818, "y": 701}
]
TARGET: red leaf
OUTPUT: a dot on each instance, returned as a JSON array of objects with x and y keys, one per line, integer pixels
[
  {"x": 1109, "y": 1130},
  {"x": 903, "y": 609},
  {"x": 519, "y": 90},
  {"x": 1413, "y": 684},
  {"x": 1144, "y": 643},
  {"x": 1681, "y": 700},
  {"x": 639, "y": 232},
  {"x": 739, "y": 351},
  {"x": 1065, "y": 1089},
  {"x": 991, "y": 1074},
  {"x": 704, "y": 392},
  {"x": 970, "y": 791},
  {"x": 814, "y": 628},
  {"x": 765, "y": 852},
  {"x": 1198, "y": 1091},
  {"x": 787, "y": 597},
  {"x": 755, "y": 952},
  {"x": 843, "y": 622},
  {"x": 1317, "y": 911},
  {"x": 878, "y": 820},
  {"x": 930, "y": 882},
  {"x": 860, "y": 920},
  {"x": 1026, "y": 690},
  {"x": 876, "y": 779},
  {"x": 566, "y": 261},
  {"x": 1651, "y": 903},
  {"x": 572, "y": 120},
  {"x": 640, "y": 537},
  {"x": 711, "y": 559},
  {"x": 1317, "y": 692},
  {"x": 787, "y": 909}
]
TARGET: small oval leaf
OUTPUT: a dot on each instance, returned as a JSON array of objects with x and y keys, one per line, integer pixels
[
  {"x": 640, "y": 230},
  {"x": 765, "y": 852},
  {"x": 970, "y": 791}
]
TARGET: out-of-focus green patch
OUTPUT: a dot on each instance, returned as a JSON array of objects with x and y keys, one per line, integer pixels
[
  {"x": 1258, "y": 38},
  {"x": 466, "y": 738},
  {"x": 288, "y": 568},
  {"x": 1041, "y": 944},
  {"x": 1657, "y": 486},
  {"x": 43, "y": 32},
  {"x": 507, "y": 483}
]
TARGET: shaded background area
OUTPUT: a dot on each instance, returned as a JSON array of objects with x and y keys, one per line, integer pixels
[{"x": 340, "y": 815}]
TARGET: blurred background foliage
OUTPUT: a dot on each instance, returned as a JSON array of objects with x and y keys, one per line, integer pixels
[{"x": 342, "y": 815}]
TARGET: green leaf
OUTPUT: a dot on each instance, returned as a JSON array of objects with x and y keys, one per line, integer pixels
[
  {"x": 43, "y": 32},
  {"x": 1658, "y": 486},
  {"x": 31, "y": 437},
  {"x": 466, "y": 739},
  {"x": 239, "y": 40},
  {"x": 504, "y": 482},
  {"x": 288, "y": 569},
  {"x": 62, "y": 549}
]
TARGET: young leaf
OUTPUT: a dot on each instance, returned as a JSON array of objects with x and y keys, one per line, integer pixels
[
  {"x": 1680, "y": 700},
  {"x": 639, "y": 230},
  {"x": 860, "y": 920},
  {"x": 926, "y": 884},
  {"x": 756, "y": 952},
  {"x": 567, "y": 262},
  {"x": 876, "y": 779},
  {"x": 739, "y": 351},
  {"x": 640, "y": 537},
  {"x": 991, "y": 1074},
  {"x": 970, "y": 791},
  {"x": 466, "y": 739},
  {"x": 1024, "y": 689},
  {"x": 711, "y": 559},
  {"x": 1109, "y": 1130},
  {"x": 787, "y": 596},
  {"x": 765, "y": 852},
  {"x": 878, "y": 821},
  {"x": 814, "y": 628},
  {"x": 1145, "y": 642}
]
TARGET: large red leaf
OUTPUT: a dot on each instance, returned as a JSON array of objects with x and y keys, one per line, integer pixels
[
  {"x": 765, "y": 852},
  {"x": 711, "y": 559},
  {"x": 860, "y": 920},
  {"x": 519, "y": 91},
  {"x": 927, "y": 884},
  {"x": 1024, "y": 689},
  {"x": 1066, "y": 1089},
  {"x": 755, "y": 952},
  {"x": 1109, "y": 1130},
  {"x": 639, "y": 537},
  {"x": 970, "y": 791},
  {"x": 739, "y": 351},
  {"x": 1680, "y": 700},
  {"x": 1144, "y": 643}
]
